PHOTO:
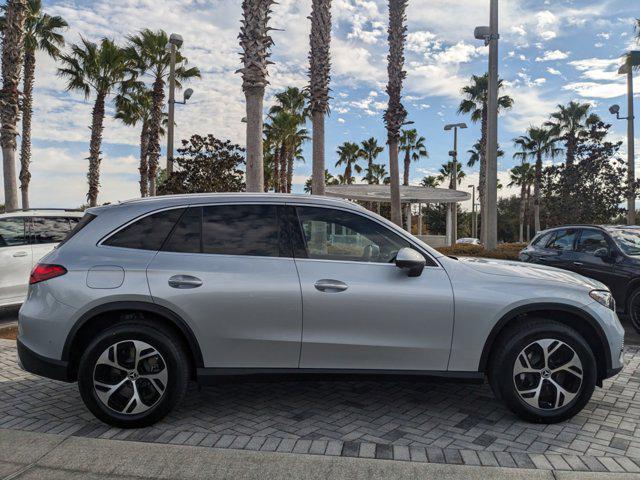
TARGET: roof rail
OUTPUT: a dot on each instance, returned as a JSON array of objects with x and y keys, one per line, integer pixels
[{"x": 51, "y": 209}]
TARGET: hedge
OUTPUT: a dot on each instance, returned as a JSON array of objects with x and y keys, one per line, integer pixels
[{"x": 504, "y": 251}]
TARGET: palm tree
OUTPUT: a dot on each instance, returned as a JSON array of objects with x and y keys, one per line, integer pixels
[
  {"x": 328, "y": 180},
  {"x": 255, "y": 43},
  {"x": 539, "y": 143},
  {"x": 370, "y": 150},
  {"x": 12, "y": 61},
  {"x": 348, "y": 155},
  {"x": 135, "y": 106},
  {"x": 446, "y": 171},
  {"x": 571, "y": 123},
  {"x": 41, "y": 33},
  {"x": 148, "y": 49},
  {"x": 396, "y": 114},
  {"x": 430, "y": 181},
  {"x": 475, "y": 103},
  {"x": 99, "y": 69},
  {"x": 522, "y": 176},
  {"x": 414, "y": 148},
  {"x": 378, "y": 174},
  {"x": 319, "y": 80}
]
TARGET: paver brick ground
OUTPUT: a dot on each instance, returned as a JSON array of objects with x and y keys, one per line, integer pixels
[{"x": 416, "y": 420}]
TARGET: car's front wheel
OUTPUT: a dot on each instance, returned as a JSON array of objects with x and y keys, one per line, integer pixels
[
  {"x": 544, "y": 371},
  {"x": 132, "y": 375},
  {"x": 634, "y": 309}
]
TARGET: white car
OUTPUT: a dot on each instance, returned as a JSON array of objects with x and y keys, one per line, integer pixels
[
  {"x": 468, "y": 241},
  {"x": 25, "y": 237}
]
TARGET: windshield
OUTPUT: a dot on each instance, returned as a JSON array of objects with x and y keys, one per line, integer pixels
[{"x": 627, "y": 239}]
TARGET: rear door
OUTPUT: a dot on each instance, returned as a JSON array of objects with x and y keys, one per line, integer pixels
[
  {"x": 228, "y": 271},
  {"x": 15, "y": 260}
]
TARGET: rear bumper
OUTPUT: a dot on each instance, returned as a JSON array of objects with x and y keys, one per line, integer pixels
[{"x": 42, "y": 366}]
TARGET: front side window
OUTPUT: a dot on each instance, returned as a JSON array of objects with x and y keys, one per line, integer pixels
[
  {"x": 148, "y": 233},
  {"x": 49, "y": 229},
  {"x": 564, "y": 240},
  {"x": 591, "y": 241},
  {"x": 339, "y": 235},
  {"x": 12, "y": 232}
]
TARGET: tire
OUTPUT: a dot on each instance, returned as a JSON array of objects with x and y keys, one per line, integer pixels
[
  {"x": 159, "y": 379},
  {"x": 633, "y": 309},
  {"x": 534, "y": 397}
]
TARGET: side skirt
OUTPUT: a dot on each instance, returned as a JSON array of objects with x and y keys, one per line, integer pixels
[{"x": 213, "y": 376}]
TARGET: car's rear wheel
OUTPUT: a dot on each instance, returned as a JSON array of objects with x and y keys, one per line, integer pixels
[
  {"x": 132, "y": 375},
  {"x": 633, "y": 308},
  {"x": 544, "y": 371}
]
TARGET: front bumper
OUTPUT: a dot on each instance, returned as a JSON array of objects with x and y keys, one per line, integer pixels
[{"x": 43, "y": 366}]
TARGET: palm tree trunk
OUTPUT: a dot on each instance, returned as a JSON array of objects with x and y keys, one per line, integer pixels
[
  {"x": 523, "y": 207},
  {"x": 255, "y": 160},
  {"x": 97, "y": 127},
  {"x": 318, "y": 180},
  {"x": 283, "y": 168},
  {"x": 536, "y": 192},
  {"x": 12, "y": 61},
  {"x": 144, "y": 160},
  {"x": 405, "y": 181},
  {"x": 27, "y": 113},
  {"x": 396, "y": 202},
  {"x": 154, "y": 134},
  {"x": 290, "y": 170},
  {"x": 276, "y": 169}
]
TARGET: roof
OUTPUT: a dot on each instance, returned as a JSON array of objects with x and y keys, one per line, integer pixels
[
  {"x": 408, "y": 194},
  {"x": 45, "y": 212}
]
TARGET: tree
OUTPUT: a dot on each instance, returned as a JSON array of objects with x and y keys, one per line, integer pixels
[
  {"x": 319, "y": 80},
  {"x": 370, "y": 150},
  {"x": 97, "y": 68},
  {"x": 328, "y": 180},
  {"x": 256, "y": 44},
  {"x": 572, "y": 123},
  {"x": 476, "y": 104},
  {"x": 430, "y": 181},
  {"x": 414, "y": 149},
  {"x": 12, "y": 60},
  {"x": 206, "y": 164},
  {"x": 538, "y": 144},
  {"x": 148, "y": 49},
  {"x": 446, "y": 172},
  {"x": 135, "y": 106},
  {"x": 349, "y": 155},
  {"x": 42, "y": 32},
  {"x": 396, "y": 114},
  {"x": 378, "y": 174},
  {"x": 522, "y": 176}
]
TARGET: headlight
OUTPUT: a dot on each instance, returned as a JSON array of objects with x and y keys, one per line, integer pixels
[{"x": 603, "y": 297}]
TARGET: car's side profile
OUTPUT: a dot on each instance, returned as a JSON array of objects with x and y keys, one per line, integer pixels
[
  {"x": 148, "y": 294},
  {"x": 609, "y": 254},
  {"x": 25, "y": 237}
]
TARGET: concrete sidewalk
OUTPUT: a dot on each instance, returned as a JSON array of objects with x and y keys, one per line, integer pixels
[{"x": 26, "y": 455}]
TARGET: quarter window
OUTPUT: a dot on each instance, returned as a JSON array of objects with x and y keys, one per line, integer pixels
[
  {"x": 591, "y": 241},
  {"x": 148, "y": 233},
  {"x": 12, "y": 232},
  {"x": 339, "y": 235},
  {"x": 50, "y": 229},
  {"x": 186, "y": 238},
  {"x": 564, "y": 240}
]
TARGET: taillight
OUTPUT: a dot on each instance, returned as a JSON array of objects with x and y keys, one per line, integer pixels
[{"x": 42, "y": 272}]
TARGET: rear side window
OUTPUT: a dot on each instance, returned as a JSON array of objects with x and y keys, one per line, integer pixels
[
  {"x": 148, "y": 233},
  {"x": 12, "y": 232},
  {"x": 591, "y": 241},
  {"x": 78, "y": 224},
  {"x": 186, "y": 237},
  {"x": 50, "y": 229}
]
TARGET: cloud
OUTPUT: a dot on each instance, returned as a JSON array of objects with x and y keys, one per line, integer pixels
[
  {"x": 553, "y": 71},
  {"x": 599, "y": 78},
  {"x": 551, "y": 55}
]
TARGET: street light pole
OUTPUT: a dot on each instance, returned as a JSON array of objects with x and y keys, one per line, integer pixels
[
  {"x": 454, "y": 178},
  {"x": 474, "y": 233},
  {"x": 631, "y": 167},
  {"x": 490, "y": 224}
]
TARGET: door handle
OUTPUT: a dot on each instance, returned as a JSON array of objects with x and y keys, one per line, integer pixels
[
  {"x": 578, "y": 264},
  {"x": 20, "y": 254},
  {"x": 184, "y": 282},
  {"x": 331, "y": 286}
]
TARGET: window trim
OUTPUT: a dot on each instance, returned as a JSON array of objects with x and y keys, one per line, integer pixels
[{"x": 428, "y": 257}]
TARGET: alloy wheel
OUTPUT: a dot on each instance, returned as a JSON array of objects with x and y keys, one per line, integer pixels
[
  {"x": 548, "y": 374},
  {"x": 130, "y": 377}
]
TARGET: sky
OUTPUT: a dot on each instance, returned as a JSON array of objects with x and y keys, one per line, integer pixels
[{"x": 551, "y": 52}]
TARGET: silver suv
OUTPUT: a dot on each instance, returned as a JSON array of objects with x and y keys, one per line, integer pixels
[{"x": 144, "y": 296}]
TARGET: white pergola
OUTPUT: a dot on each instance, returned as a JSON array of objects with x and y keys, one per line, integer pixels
[{"x": 408, "y": 195}]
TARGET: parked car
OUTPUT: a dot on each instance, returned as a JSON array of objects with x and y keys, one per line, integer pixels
[
  {"x": 609, "y": 254},
  {"x": 25, "y": 237},
  {"x": 469, "y": 241},
  {"x": 149, "y": 294}
]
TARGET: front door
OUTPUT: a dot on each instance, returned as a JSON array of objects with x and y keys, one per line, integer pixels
[
  {"x": 228, "y": 271},
  {"x": 15, "y": 260},
  {"x": 360, "y": 311},
  {"x": 593, "y": 259}
]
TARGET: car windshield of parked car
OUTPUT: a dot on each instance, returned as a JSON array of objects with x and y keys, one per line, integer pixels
[{"x": 628, "y": 240}]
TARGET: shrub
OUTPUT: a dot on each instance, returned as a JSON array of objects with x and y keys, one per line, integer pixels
[{"x": 504, "y": 251}]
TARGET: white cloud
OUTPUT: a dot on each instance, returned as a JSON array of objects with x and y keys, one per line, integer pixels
[
  {"x": 551, "y": 55},
  {"x": 553, "y": 71}
]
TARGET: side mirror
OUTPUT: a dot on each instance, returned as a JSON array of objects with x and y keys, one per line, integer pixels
[
  {"x": 411, "y": 261},
  {"x": 606, "y": 255}
]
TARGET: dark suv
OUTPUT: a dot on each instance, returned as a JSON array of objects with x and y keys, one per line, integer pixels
[{"x": 610, "y": 254}]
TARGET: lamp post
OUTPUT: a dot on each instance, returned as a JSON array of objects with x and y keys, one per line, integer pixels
[
  {"x": 407, "y": 209},
  {"x": 633, "y": 60},
  {"x": 474, "y": 222},
  {"x": 175, "y": 42},
  {"x": 454, "y": 177},
  {"x": 491, "y": 36}
]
